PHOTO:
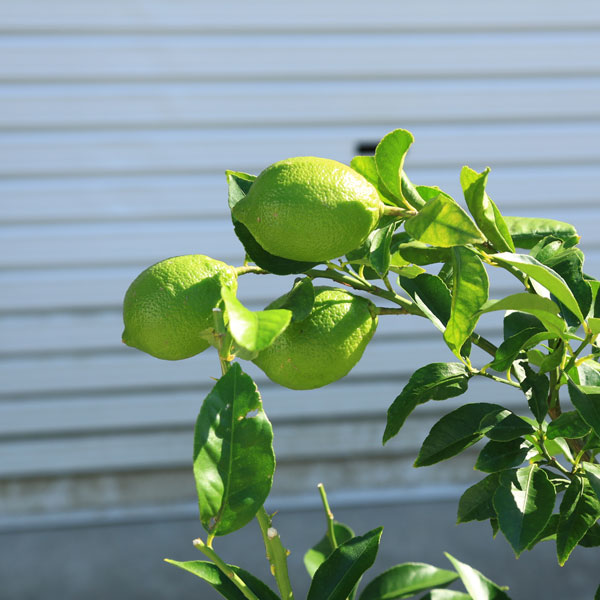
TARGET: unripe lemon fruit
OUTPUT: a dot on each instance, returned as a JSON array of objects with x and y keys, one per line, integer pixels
[
  {"x": 169, "y": 305},
  {"x": 309, "y": 209},
  {"x": 324, "y": 346}
]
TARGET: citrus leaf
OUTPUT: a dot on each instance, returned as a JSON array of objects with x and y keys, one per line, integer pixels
[
  {"x": 365, "y": 165},
  {"x": 410, "y": 193},
  {"x": 526, "y": 232},
  {"x": 548, "y": 533},
  {"x": 523, "y": 502},
  {"x": 544, "y": 275},
  {"x": 455, "y": 432},
  {"x": 478, "y": 586},
  {"x": 379, "y": 251},
  {"x": 535, "y": 386},
  {"x": 233, "y": 454},
  {"x": 436, "y": 381},
  {"x": 337, "y": 576},
  {"x": 253, "y": 331},
  {"x": 431, "y": 295},
  {"x": 586, "y": 399},
  {"x": 402, "y": 581},
  {"x": 438, "y": 594},
  {"x": 498, "y": 456},
  {"x": 299, "y": 300},
  {"x": 507, "y": 426},
  {"x": 469, "y": 294},
  {"x": 389, "y": 159},
  {"x": 317, "y": 555},
  {"x": 579, "y": 510},
  {"x": 476, "y": 502},
  {"x": 215, "y": 577},
  {"x": 442, "y": 222},
  {"x": 516, "y": 321},
  {"x": 592, "y": 472},
  {"x": 511, "y": 347},
  {"x": 594, "y": 325},
  {"x": 239, "y": 185},
  {"x": 484, "y": 211},
  {"x": 568, "y": 425},
  {"x": 419, "y": 253}
]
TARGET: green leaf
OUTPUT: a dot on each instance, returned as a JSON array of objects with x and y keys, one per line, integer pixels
[
  {"x": 317, "y": 555},
  {"x": 544, "y": 275},
  {"x": 526, "y": 232},
  {"x": 478, "y": 586},
  {"x": 436, "y": 381},
  {"x": 445, "y": 595},
  {"x": 484, "y": 211},
  {"x": 431, "y": 295},
  {"x": 379, "y": 253},
  {"x": 410, "y": 193},
  {"x": 455, "y": 432},
  {"x": 516, "y": 321},
  {"x": 579, "y": 510},
  {"x": 253, "y": 331},
  {"x": 594, "y": 325},
  {"x": 442, "y": 222},
  {"x": 511, "y": 347},
  {"x": 542, "y": 308},
  {"x": 389, "y": 159},
  {"x": 507, "y": 427},
  {"x": 365, "y": 165},
  {"x": 299, "y": 300},
  {"x": 568, "y": 425},
  {"x": 523, "y": 502},
  {"x": 215, "y": 577},
  {"x": 548, "y": 533},
  {"x": 337, "y": 576},
  {"x": 469, "y": 294},
  {"x": 587, "y": 373},
  {"x": 586, "y": 399},
  {"x": 554, "y": 359},
  {"x": 592, "y": 538},
  {"x": 405, "y": 580},
  {"x": 535, "y": 386},
  {"x": 233, "y": 454},
  {"x": 419, "y": 253},
  {"x": 592, "y": 472},
  {"x": 239, "y": 185},
  {"x": 476, "y": 502},
  {"x": 498, "y": 456}
]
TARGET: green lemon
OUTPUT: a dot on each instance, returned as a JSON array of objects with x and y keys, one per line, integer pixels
[
  {"x": 309, "y": 209},
  {"x": 324, "y": 346},
  {"x": 169, "y": 306}
]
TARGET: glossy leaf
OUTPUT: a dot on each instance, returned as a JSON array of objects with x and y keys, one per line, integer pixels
[
  {"x": 233, "y": 454},
  {"x": 548, "y": 533},
  {"x": 516, "y": 321},
  {"x": 379, "y": 253},
  {"x": 455, "y": 432},
  {"x": 511, "y": 347},
  {"x": 317, "y": 555},
  {"x": 526, "y": 232},
  {"x": 544, "y": 275},
  {"x": 389, "y": 159},
  {"x": 469, "y": 294},
  {"x": 299, "y": 300},
  {"x": 365, "y": 165},
  {"x": 523, "y": 502},
  {"x": 507, "y": 426},
  {"x": 554, "y": 359},
  {"x": 442, "y": 222},
  {"x": 239, "y": 185},
  {"x": 431, "y": 295},
  {"x": 476, "y": 502},
  {"x": 498, "y": 456},
  {"x": 579, "y": 510},
  {"x": 405, "y": 580},
  {"x": 568, "y": 425},
  {"x": 592, "y": 472},
  {"x": 484, "y": 211},
  {"x": 536, "y": 387},
  {"x": 436, "y": 381},
  {"x": 337, "y": 576},
  {"x": 477, "y": 584},
  {"x": 215, "y": 577},
  {"x": 586, "y": 399}
]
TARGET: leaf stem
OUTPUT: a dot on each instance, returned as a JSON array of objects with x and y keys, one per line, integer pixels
[
  {"x": 398, "y": 211},
  {"x": 225, "y": 569},
  {"x": 498, "y": 379},
  {"x": 328, "y": 516},
  {"x": 276, "y": 554}
]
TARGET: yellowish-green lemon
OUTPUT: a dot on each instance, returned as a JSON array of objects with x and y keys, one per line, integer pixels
[
  {"x": 169, "y": 306},
  {"x": 324, "y": 346},
  {"x": 309, "y": 209}
]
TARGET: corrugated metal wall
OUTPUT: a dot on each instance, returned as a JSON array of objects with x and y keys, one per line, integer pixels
[{"x": 118, "y": 119}]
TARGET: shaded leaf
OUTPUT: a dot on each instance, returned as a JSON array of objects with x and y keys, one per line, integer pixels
[
  {"x": 476, "y": 502},
  {"x": 548, "y": 533},
  {"x": 410, "y": 193},
  {"x": 477, "y": 584},
  {"x": 419, "y": 253},
  {"x": 445, "y": 595},
  {"x": 365, "y": 165},
  {"x": 516, "y": 321},
  {"x": 536, "y": 387},
  {"x": 379, "y": 252},
  {"x": 389, "y": 159},
  {"x": 498, "y": 456},
  {"x": 568, "y": 425},
  {"x": 510, "y": 348},
  {"x": 526, "y": 232},
  {"x": 507, "y": 426},
  {"x": 592, "y": 472},
  {"x": 586, "y": 399},
  {"x": 299, "y": 300},
  {"x": 317, "y": 555},
  {"x": 592, "y": 538},
  {"x": 431, "y": 295},
  {"x": 239, "y": 185}
]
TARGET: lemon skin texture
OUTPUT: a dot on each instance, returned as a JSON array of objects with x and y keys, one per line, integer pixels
[
  {"x": 169, "y": 305},
  {"x": 309, "y": 209},
  {"x": 324, "y": 346}
]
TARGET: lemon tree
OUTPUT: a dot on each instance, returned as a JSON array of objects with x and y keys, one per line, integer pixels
[{"x": 388, "y": 249}]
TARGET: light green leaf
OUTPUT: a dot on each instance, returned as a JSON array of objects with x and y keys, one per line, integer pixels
[
  {"x": 389, "y": 159},
  {"x": 337, "y": 576},
  {"x": 594, "y": 325},
  {"x": 526, "y": 232},
  {"x": 253, "y": 331},
  {"x": 379, "y": 252},
  {"x": 405, "y": 580},
  {"x": 239, "y": 185},
  {"x": 586, "y": 399},
  {"x": 469, "y": 294},
  {"x": 478, "y": 586},
  {"x": 476, "y": 502},
  {"x": 365, "y": 165},
  {"x": 436, "y": 381},
  {"x": 484, "y": 211},
  {"x": 317, "y": 555},
  {"x": 498, "y": 456},
  {"x": 442, "y": 222},
  {"x": 523, "y": 502},
  {"x": 233, "y": 454},
  {"x": 544, "y": 275},
  {"x": 300, "y": 299}
]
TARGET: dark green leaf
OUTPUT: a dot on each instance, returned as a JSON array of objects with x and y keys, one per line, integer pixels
[
  {"x": 455, "y": 432},
  {"x": 337, "y": 576},
  {"x": 431, "y": 295},
  {"x": 597, "y": 594},
  {"x": 389, "y": 159},
  {"x": 586, "y": 399},
  {"x": 495, "y": 527},
  {"x": 379, "y": 253},
  {"x": 554, "y": 359},
  {"x": 523, "y": 502},
  {"x": 548, "y": 533},
  {"x": 300, "y": 299},
  {"x": 403, "y": 581},
  {"x": 536, "y": 387},
  {"x": 239, "y": 185},
  {"x": 484, "y": 211},
  {"x": 419, "y": 253},
  {"x": 317, "y": 555},
  {"x": 545, "y": 249},
  {"x": 592, "y": 472},
  {"x": 506, "y": 426},
  {"x": 436, "y": 381},
  {"x": 478, "y": 586},
  {"x": 516, "y": 321},
  {"x": 526, "y": 232},
  {"x": 498, "y": 456},
  {"x": 215, "y": 577},
  {"x": 510, "y": 348},
  {"x": 579, "y": 510},
  {"x": 592, "y": 538},
  {"x": 476, "y": 502},
  {"x": 469, "y": 294},
  {"x": 445, "y": 595},
  {"x": 233, "y": 454},
  {"x": 442, "y": 222},
  {"x": 568, "y": 425}
]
